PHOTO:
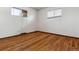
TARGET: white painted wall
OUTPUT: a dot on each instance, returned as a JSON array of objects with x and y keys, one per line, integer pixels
[
  {"x": 30, "y": 22},
  {"x": 68, "y": 24},
  {"x": 37, "y": 21},
  {"x": 14, "y": 25}
]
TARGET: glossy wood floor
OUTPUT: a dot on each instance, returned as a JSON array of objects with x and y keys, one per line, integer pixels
[{"x": 39, "y": 41}]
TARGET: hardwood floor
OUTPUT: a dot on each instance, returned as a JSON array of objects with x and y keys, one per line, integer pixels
[{"x": 39, "y": 41}]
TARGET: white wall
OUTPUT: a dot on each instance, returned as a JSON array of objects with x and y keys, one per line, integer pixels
[
  {"x": 30, "y": 22},
  {"x": 65, "y": 25},
  {"x": 14, "y": 25},
  {"x": 68, "y": 24}
]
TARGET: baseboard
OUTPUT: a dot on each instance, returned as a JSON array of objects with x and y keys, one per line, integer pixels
[
  {"x": 39, "y": 31},
  {"x": 29, "y": 32},
  {"x": 59, "y": 34},
  {"x": 17, "y": 35},
  {"x": 9, "y": 36}
]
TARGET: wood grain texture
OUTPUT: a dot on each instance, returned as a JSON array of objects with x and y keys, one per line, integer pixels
[{"x": 39, "y": 41}]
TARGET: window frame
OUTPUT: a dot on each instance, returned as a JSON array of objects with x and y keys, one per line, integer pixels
[
  {"x": 15, "y": 12},
  {"x": 54, "y": 13}
]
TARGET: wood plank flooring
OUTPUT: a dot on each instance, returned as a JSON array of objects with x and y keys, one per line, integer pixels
[{"x": 39, "y": 41}]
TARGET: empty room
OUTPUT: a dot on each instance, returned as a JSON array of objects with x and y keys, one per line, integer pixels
[{"x": 39, "y": 28}]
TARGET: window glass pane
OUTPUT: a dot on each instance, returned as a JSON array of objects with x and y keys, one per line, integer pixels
[
  {"x": 16, "y": 12},
  {"x": 50, "y": 14},
  {"x": 58, "y": 12}
]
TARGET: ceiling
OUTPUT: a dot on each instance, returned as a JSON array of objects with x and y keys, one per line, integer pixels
[{"x": 37, "y": 8}]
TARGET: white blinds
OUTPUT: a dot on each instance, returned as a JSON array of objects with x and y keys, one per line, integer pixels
[
  {"x": 16, "y": 12},
  {"x": 58, "y": 12},
  {"x": 54, "y": 13},
  {"x": 50, "y": 14}
]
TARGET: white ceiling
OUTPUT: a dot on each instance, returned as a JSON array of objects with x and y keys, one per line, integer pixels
[{"x": 37, "y": 8}]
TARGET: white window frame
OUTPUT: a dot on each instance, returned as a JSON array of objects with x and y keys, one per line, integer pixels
[
  {"x": 54, "y": 13},
  {"x": 16, "y": 12}
]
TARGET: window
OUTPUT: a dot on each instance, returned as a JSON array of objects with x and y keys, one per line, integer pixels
[
  {"x": 24, "y": 13},
  {"x": 50, "y": 14},
  {"x": 15, "y": 12},
  {"x": 54, "y": 13},
  {"x": 58, "y": 12},
  {"x": 18, "y": 12}
]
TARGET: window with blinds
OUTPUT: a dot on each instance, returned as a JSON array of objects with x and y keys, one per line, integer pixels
[
  {"x": 15, "y": 12},
  {"x": 54, "y": 13},
  {"x": 18, "y": 12}
]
